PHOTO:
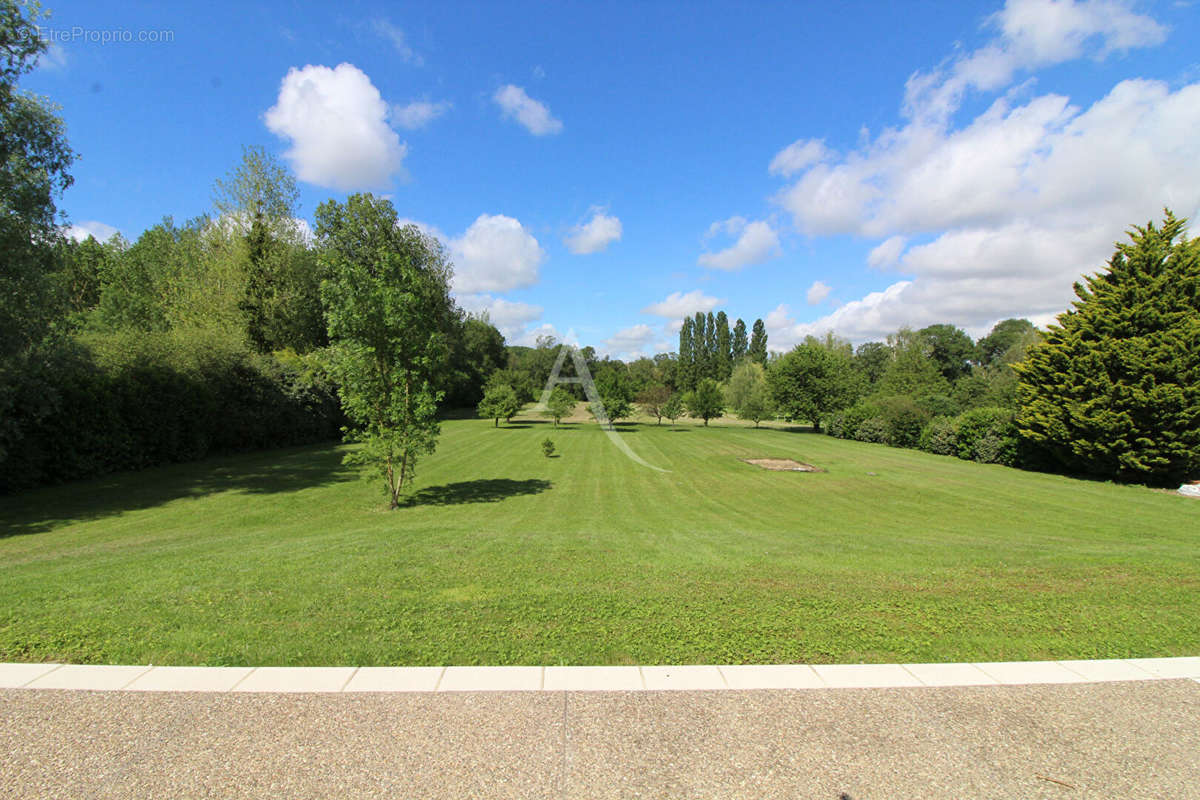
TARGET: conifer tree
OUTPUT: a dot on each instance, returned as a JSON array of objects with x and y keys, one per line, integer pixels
[{"x": 1114, "y": 390}]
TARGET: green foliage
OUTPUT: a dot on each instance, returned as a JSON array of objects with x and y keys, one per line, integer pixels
[
  {"x": 813, "y": 381},
  {"x": 685, "y": 379},
  {"x": 950, "y": 348},
  {"x": 653, "y": 400},
  {"x": 872, "y": 429},
  {"x": 746, "y": 376},
  {"x": 740, "y": 344},
  {"x": 705, "y": 401},
  {"x": 758, "y": 406},
  {"x": 1114, "y": 390},
  {"x": 872, "y": 360},
  {"x": 724, "y": 357},
  {"x": 389, "y": 315},
  {"x": 477, "y": 353},
  {"x": 559, "y": 405},
  {"x": 855, "y": 415},
  {"x": 912, "y": 370},
  {"x": 988, "y": 435},
  {"x": 757, "y": 349},
  {"x": 940, "y": 437},
  {"x": 904, "y": 420},
  {"x": 674, "y": 408},
  {"x": 499, "y": 402},
  {"x": 1003, "y": 336},
  {"x": 547, "y": 447}
]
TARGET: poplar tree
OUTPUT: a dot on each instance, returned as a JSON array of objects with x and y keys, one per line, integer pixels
[
  {"x": 700, "y": 352},
  {"x": 1114, "y": 389},
  {"x": 740, "y": 343},
  {"x": 711, "y": 359},
  {"x": 685, "y": 377},
  {"x": 724, "y": 348},
  {"x": 758, "y": 343}
]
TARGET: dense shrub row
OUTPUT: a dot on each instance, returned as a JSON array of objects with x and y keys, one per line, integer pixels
[
  {"x": 988, "y": 435},
  {"x": 83, "y": 412}
]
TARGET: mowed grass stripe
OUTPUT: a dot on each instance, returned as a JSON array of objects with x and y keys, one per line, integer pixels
[{"x": 589, "y": 558}]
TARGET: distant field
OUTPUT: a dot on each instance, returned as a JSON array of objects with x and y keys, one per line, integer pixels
[{"x": 507, "y": 557}]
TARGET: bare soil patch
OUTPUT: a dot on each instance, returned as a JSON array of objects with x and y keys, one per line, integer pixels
[{"x": 781, "y": 464}]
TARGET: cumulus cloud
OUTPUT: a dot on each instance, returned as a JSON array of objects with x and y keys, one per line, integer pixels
[
  {"x": 1018, "y": 201},
  {"x": 816, "y": 293},
  {"x": 887, "y": 252},
  {"x": 594, "y": 235},
  {"x": 495, "y": 254},
  {"x": 337, "y": 124},
  {"x": 798, "y": 155},
  {"x": 510, "y": 318},
  {"x": 678, "y": 305},
  {"x": 756, "y": 242},
  {"x": 632, "y": 342},
  {"x": 534, "y": 116},
  {"x": 82, "y": 230},
  {"x": 419, "y": 113}
]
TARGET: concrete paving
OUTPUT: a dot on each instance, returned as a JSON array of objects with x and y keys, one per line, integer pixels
[{"x": 1137, "y": 739}]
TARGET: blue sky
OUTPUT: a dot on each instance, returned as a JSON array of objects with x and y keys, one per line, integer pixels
[{"x": 598, "y": 170}]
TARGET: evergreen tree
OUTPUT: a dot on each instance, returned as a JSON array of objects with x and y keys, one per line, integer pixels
[
  {"x": 757, "y": 350},
  {"x": 724, "y": 347},
  {"x": 1114, "y": 390},
  {"x": 740, "y": 342}
]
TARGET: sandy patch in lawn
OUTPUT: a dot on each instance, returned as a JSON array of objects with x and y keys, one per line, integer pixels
[{"x": 781, "y": 464}]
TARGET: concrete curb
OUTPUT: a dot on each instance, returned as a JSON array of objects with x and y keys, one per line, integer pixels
[{"x": 587, "y": 679}]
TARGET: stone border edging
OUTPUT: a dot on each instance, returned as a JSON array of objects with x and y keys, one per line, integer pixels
[{"x": 584, "y": 679}]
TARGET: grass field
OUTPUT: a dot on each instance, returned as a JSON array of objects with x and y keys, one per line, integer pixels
[{"x": 507, "y": 557}]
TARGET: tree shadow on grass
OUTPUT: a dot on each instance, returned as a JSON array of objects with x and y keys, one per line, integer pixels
[
  {"x": 264, "y": 472},
  {"x": 486, "y": 490}
]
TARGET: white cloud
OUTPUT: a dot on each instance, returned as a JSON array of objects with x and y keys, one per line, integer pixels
[
  {"x": 594, "y": 235},
  {"x": 510, "y": 318},
  {"x": 756, "y": 243},
  {"x": 82, "y": 230},
  {"x": 337, "y": 124},
  {"x": 399, "y": 41},
  {"x": 1018, "y": 201},
  {"x": 633, "y": 342},
  {"x": 495, "y": 254},
  {"x": 887, "y": 252},
  {"x": 53, "y": 58},
  {"x": 419, "y": 113},
  {"x": 798, "y": 155},
  {"x": 529, "y": 338},
  {"x": 534, "y": 116},
  {"x": 817, "y": 293},
  {"x": 678, "y": 305}
]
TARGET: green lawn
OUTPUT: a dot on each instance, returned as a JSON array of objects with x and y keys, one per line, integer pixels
[{"x": 507, "y": 557}]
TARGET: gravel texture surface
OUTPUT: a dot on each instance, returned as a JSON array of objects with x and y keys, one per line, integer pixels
[{"x": 1109, "y": 740}]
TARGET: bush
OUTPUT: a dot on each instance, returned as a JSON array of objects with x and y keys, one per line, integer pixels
[
  {"x": 904, "y": 419},
  {"x": 547, "y": 447},
  {"x": 836, "y": 424},
  {"x": 855, "y": 415},
  {"x": 873, "y": 429},
  {"x": 988, "y": 435},
  {"x": 940, "y": 436}
]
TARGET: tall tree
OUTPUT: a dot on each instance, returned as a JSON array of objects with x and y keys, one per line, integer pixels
[
  {"x": 724, "y": 347},
  {"x": 912, "y": 370},
  {"x": 757, "y": 351},
  {"x": 699, "y": 346},
  {"x": 711, "y": 358},
  {"x": 951, "y": 348},
  {"x": 389, "y": 311},
  {"x": 34, "y": 159},
  {"x": 1114, "y": 390},
  {"x": 740, "y": 342},
  {"x": 686, "y": 374},
  {"x": 872, "y": 360},
  {"x": 1004, "y": 334}
]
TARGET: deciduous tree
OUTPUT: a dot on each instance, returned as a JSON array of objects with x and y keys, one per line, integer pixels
[{"x": 705, "y": 401}]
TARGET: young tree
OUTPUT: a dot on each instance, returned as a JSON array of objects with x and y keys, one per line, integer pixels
[
  {"x": 705, "y": 401},
  {"x": 813, "y": 381},
  {"x": 740, "y": 343},
  {"x": 757, "y": 350},
  {"x": 1114, "y": 390},
  {"x": 652, "y": 399},
  {"x": 559, "y": 405},
  {"x": 746, "y": 376},
  {"x": 758, "y": 405},
  {"x": 673, "y": 409},
  {"x": 500, "y": 402},
  {"x": 388, "y": 310}
]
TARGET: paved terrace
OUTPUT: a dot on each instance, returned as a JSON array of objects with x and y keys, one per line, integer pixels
[{"x": 1070, "y": 729}]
